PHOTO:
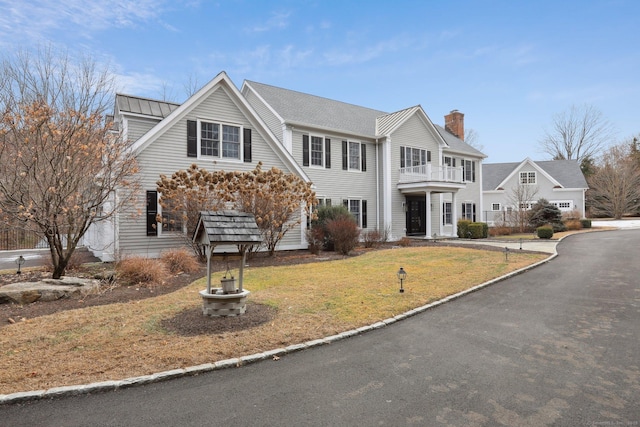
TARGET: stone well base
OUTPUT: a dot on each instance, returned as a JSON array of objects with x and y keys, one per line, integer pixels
[{"x": 223, "y": 305}]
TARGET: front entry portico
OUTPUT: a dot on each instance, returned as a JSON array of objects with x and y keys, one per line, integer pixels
[{"x": 421, "y": 211}]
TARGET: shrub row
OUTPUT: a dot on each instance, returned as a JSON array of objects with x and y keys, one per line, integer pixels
[
  {"x": 140, "y": 270},
  {"x": 472, "y": 230}
]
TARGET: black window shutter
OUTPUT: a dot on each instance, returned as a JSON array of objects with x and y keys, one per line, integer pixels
[
  {"x": 428, "y": 156},
  {"x": 364, "y": 214},
  {"x": 152, "y": 211},
  {"x": 345, "y": 158},
  {"x": 305, "y": 150},
  {"x": 364, "y": 157},
  {"x": 402, "y": 157},
  {"x": 473, "y": 171},
  {"x": 192, "y": 138},
  {"x": 463, "y": 211},
  {"x": 474, "y": 212},
  {"x": 453, "y": 162},
  {"x": 345, "y": 203},
  {"x": 247, "y": 145},
  {"x": 327, "y": 153}
]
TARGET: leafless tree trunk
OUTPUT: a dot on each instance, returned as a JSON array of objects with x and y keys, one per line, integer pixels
[
  {"x": 577, "y": 134},
  {"x": 60, "y": 160},
  {"x": 520, "y": 197}
]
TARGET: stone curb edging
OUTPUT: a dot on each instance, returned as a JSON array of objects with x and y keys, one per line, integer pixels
[{"x": 104, "y": 386}]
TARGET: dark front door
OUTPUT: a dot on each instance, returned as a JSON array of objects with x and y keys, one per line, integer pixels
[{"x": 416, "y": 216}]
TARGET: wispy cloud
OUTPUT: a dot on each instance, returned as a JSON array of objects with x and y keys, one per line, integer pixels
[
  {"x": 139, "y": 83},
  {"x": 22, "y": 22},
  {"x": 277, "y": 21},
  {"x": 360, "y": 54}
]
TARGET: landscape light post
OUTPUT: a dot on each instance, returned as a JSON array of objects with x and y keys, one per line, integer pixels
[
  {"x": 20, "y": 261},
  {"x": 402, "y": 275}
]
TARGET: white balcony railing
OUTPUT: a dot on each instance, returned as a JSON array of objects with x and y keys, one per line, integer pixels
[{"x": 430, "y": 173}]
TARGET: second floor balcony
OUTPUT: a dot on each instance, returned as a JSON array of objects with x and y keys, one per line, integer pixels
[{"x": 430, "y": 174}]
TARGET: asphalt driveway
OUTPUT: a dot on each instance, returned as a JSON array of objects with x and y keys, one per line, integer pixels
[{"x": 557, "y": 345}]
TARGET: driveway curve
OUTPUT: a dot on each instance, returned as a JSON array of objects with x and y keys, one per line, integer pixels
[{"x": 557, "y": 345}]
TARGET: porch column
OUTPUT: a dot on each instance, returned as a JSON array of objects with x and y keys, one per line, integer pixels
[
  {"x": 454, "y": 214},
  {"x": 428, "y": 208}
]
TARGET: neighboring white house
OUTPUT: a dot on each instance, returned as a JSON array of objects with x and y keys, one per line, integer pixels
[
  {"x": 397, "y": 173},
  {"x": 510, "y": 187}
]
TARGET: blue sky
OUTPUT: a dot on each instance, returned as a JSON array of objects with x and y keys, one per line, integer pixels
[{"x": 509, "y": 66}]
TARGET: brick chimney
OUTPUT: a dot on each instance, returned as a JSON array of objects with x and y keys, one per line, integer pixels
[{"x": 454, "y": 123}]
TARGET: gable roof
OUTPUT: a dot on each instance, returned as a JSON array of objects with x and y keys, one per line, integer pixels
[
  {"x": 227, "y": 226},
  {"x": 144, "y": 106},
  {"x": 565, "y": 173},
  {"x": 314, "y": 111},
  {"x": 221, "y": 82},
  {"x": 297, "y": 108}
]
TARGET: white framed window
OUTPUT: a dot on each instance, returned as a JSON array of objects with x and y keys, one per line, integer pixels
[
  {"x": 527, "y": 178},
  {"x": 469, "y": 211},
  {"x": 526, "y": 205},
  {"x": 449, "y": 161},
  {"x": 411, "y": 157},
  {"x": 563, "y": 205},
  {"x": 496, "y": 207},
  {"x": 446, "y": 213},
  {"x": 219, "y": 140},
  {"x": 357, "y": 208},
  {"x": 469, "y": 171},
  {"x": 317, "y": 151},
  {"x": 354, "y": 155}
]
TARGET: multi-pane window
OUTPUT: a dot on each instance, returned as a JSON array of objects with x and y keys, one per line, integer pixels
[
  {"x": 354, "y": 155},
  {"x": 354, "y": 208},
  {"x": 211, "y": 136},
  {"x": 412, "y": 157},
  {"x": 446, "y": 214},
  {"x": 357, "y": 208},
  {"x": 495, "y": 207},
  {"x": 230, "y": 142},
  {"x": 209, "y": 139},
  {"x": 527, "y": 178},
  {"x": 469, "y": 171},
  {"x": 469, "y": 211},
  {"x": 563, "y": 205},
  {"x": 317, "y": 151}
]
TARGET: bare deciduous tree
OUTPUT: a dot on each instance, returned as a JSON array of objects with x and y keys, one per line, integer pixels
[
  {"x": 615, "y": 186},
  {"x": 472, "y": 138},
  {"x": 577, "y": 134},
  {"x": 60, "y": 161},
  {"x": 521, "y": 197}
]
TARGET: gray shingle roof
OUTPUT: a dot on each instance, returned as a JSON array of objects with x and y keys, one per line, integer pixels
[
  {"x": 144, "y": 106},
  {"x": 227, "y": 226},
  {"x": 315, "y": 111},
  {"x": 324, "y": 113},
  {"x": 566, "y": 172},
  {"x": 456, "y": 144}
]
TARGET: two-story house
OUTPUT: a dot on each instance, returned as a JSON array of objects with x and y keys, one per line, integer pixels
[{"x": 397, "y": 173}]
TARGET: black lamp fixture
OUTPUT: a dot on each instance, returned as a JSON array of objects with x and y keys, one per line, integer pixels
[
  {"x": 20, "y": 261},
  {"x": 402, "y": 276}
]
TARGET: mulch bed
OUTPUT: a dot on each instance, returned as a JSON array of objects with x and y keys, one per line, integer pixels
[{"x": 191, "y": 322}]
